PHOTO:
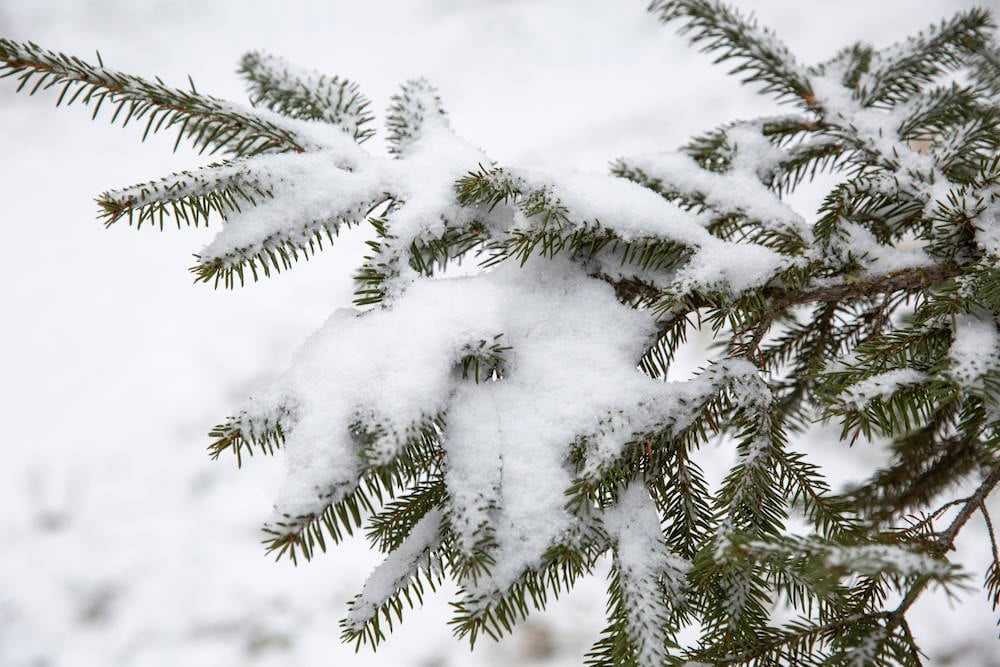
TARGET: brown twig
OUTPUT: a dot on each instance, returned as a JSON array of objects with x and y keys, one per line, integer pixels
[{"x": 945, "y": 542}]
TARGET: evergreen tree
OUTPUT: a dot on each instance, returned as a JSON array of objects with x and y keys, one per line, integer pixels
[{"x": 508, "y": 429}]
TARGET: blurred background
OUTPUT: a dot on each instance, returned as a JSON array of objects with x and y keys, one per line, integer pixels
[{"x": 122, "y": 543}]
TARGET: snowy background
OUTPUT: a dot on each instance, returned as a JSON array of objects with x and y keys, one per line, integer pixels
[{"x": 122, "y": 543}]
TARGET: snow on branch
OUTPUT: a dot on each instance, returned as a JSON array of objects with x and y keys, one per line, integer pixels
[
  {"x": 189, "y": 197},
  {"x": 208, "y": 122},
  {"x": 287, "y": 89},
  {"x": 897, "y": 72},
  {"x": 760, "y": 56},
  {"x": 400, "y": 577}
]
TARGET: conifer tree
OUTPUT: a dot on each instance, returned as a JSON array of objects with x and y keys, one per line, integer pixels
[{"x": 509, "y": 429}]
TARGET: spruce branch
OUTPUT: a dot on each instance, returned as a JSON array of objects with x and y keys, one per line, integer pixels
[
  {"x": 904, "y": 280},
  {"x": 416, "y": 109},
  {"x": 992, "y": 580},
  {"x": 243, "y": 436},
  {"x": 413, "y": 562},
  {"x": 554, "y": 229},
  {"x": 414, "y": 463},
  {"x": 779, "y": 299},
  {"x": 189, "y": 197},
  {"x": 207, "y": 122},
  {"x": 944, "y": 542},
  {"x": 985, "y": 67},
  {"x": 232, "y": 264},
  {"x": 805, "y": 161},
  {"x": 708, "y": 193},
  {"x": 713, "y": 150},
  {"x": 282, "y": 87},
  {"x": 912, "y": 481},
  {"x": 389, "y": 527},
  {"x": 932, "y": 113},
  {"x": 495, "y": 613},
  {"x": 901, "y": 71},
  {"x": 971, "y": 504},
  {"x": 760, "y": 57}
]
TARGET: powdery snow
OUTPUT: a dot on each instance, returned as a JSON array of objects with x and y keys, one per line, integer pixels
[
  {"x": 573, "y": 357},
  {"x": 635, "y": 212},
  {"x": 652, "y": 580},
  {"x": 881, "y": 385},
  {"x": 877, "y": 130},
  {"x": 988, "y": 233},
  {"x": 739, "y": 191},
  {"x": 398, "y": 570},
  {"x": 975, "y": 350}
]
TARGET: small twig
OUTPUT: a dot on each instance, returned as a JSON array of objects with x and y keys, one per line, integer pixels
[
  {"x": 990, "y": 531},
  {"x": 974, "y": 502},
  {"x": 752, "y": 348},
  {"x": 912, "y": 641},
  {"x": 945, "y": 543}
]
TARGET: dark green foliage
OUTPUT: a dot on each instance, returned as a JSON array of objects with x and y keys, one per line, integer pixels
[
  {"x": 552, "y": 231},
  {"x": 414, "y": 464},
  {"x": 188, "y": 197},
  {"x": 428, "y": 573},
  {"x": 235, "y": 436},
  {"x": 207, "y": 122},
  {"x": 289, "y": 90},
  {"x": 986, "y": 66},
  {"x": 896, "y": 76},
  {"x": 412, "y": 109},
  {"x": 278, "y": 251},
  {"x": 760, "y": 57},
  {"x": 561, "y": 566}
]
